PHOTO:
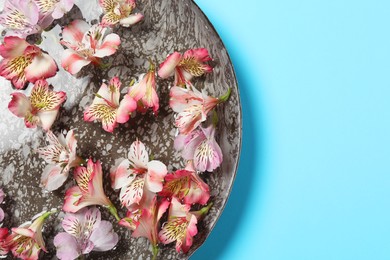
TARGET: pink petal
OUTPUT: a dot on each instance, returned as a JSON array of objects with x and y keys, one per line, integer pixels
[
  {"x": 19, "y": 104},
  {"x": 47, "y": 118},
  {"x": 53, "y": 177},
  {"x": 12, "y": 47},
  {"x": 67, "y": 246},
  {"x": 72, "y": 197},
  {"x": 189, "y": 119},
  {"x": 23, "y": 232},
  {"x": 72, "y": 62},
  {"x": 127, "y": 105},
  {"x": 200, "y": 54},
  {"x": 138, "y": 155},
  {"x": 177, "y": 209},
  {"x": 73, "y": 223},
  {"x": 138, "y": 90},
  {"x": 121, "y": 175},
  {"x": 131, "y": 19},
  {"x": 182, "y": 98},
  {"x": 109, "y": 46},
  {"x": 132, "y": 194},
  {"x": 167, "y": 68},
  {"x": 155, "y": 175},
  {"x": 192, "y": 141},
  {"x": 103, "y": 237},
  {"x": 61, "y": 8},
  {"x": 208, "y": 156},
  {"x": 75, "y": 31},
  {"x": 42, "y": 66},
  {"x": 1, "y": 215}
]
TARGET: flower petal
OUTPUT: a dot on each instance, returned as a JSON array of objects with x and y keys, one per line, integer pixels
[
  {"x": 121, "y": 175},
  {"x": 73, "y": 62},
  {"x": 103, "y": 237},
  {"x": 167, "y": 68},
  {"x": 127, "y": 105},
  {"x": 19, "y": 104},
  {"x": 42, "y": 66},
  {"x": 47, "y": 118},
  {"x": 138, "y": 155},
  {"x": 75, "y": 31},
  {"x": 131, "y": 19},
  {"x": 132, "y": 194},
  {"x": 104, "y": 113},
  {"x": 155, "y": 176},
  {"x": 44, "y": 99},
  {"x": 53, "y": 177},
  {"x": 13, "y": 47},
  {"x": 109, "y": 46},
  {"x": 67, "y": 246}
]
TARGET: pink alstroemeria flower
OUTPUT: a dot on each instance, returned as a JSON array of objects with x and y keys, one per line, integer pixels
[
  {"x": 61, "y": 156},
  {"x": 136, "y": 175},
  {"x": 3, "y": 242},
  {"x": 148, "y": 222},
  {"x": 86, "y": 44},
  {"x": 144, "y": 91},
  {"x": 89, "y": 190},
  {"x": 107, "y": 108},
  {"x": 119, "y": 11},
  {"x": 26, "y": 241},
  {"x": 23, "y": 62},
  {"x": 180, "y": 227},
  {"x": 41, "y": 108},
  {"x": 201, "y": 147},
  {"x": 23, "y": 18},
  {"x": 192, "y": 107},
  {"x": 84, "y": 232},
  {"x": 186, "y": 185},
  {"x": 185, "y": 67}
]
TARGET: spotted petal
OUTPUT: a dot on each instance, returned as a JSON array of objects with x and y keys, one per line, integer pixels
[
  {"x": 138, "y": 155},
  {"x": 104, "y": 113},
  {"x": 132, "y": 194},
  {"x": 73, "y": 62},
  {"x": 44, "y": 99}
]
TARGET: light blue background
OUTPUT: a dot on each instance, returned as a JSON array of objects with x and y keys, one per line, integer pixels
[{"x": 314, "y": 178}]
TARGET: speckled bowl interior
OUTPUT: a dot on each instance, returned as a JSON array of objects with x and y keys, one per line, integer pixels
[{"x": 174, "y": 25}]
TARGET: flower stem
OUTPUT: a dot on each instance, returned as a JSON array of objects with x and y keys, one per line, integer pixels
[
  {"x": 155, "y": 252},
  {"x": 202, "y": 212},
  {"x": 215, "y": 118},
  {"x": 114, "y": 212},
  {"x": 225, "y": 96}
]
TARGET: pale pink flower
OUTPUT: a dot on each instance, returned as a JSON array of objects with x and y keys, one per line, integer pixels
[
  {"x": 26, "y": 241},
  {"x": 192, "y": 107},
  {"x": 61, "y": 156},
  {"x": 186, "y": 185},
  {"x": 86, "y": 44},
  {"x": 89, "y": 190},
  {"x": 84, "y": 232},
  {"x": 41, "y": 108},
  {"x": 23, "y": 62},
  {"x": 107, "y": 108},
  {"x": 136, "y": 175},
  {"x": 23, "y": 18},
  {"x": 185, "y": 67},
  {"x": 201, "y": 147},
  {"x": 144, "y": 91},
  {"x": 119, "y": 11},
  {"x": 148, "y": 223},
  {"x": 180, "y": 227}
]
